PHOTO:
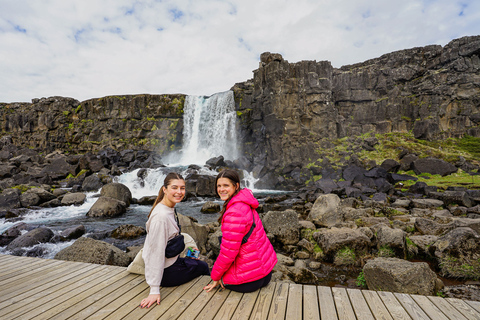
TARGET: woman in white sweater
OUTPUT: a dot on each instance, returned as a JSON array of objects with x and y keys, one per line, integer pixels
[{"x": 161, "y": 227}]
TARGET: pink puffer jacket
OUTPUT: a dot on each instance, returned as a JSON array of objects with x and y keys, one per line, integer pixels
[{"x": 251, "y": 261}]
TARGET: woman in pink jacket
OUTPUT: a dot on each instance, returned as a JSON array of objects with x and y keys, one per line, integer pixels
[{"x": 246, "y": 256}]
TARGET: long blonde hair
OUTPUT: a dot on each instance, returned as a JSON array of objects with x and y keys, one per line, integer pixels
[{"x": 168, "y": 179}]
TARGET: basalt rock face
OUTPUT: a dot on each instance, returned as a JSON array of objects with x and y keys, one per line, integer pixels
[
  {"x": 290, "y": 110},
  {"x": 139, "y": 122}
]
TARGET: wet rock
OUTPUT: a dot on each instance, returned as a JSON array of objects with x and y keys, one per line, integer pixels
[
  {"x": 458, "y": 253},
  {"x": 107, "y": 208},
  {"x": 128, "y": 231},
  {"x": 51, "y": 204},
  {"x": 283, "y": 225},
  {"x": 92, "y": 183},
  {"x": 147, "y": 200},
  {"x": 93, "y": 251},
  {"x": 73, "y": 232},
  {"x": 117, "y": 191},
  {"x": 31, "y": 238},
  {"x": 397, "y": 275},
  {"x": 216, "y": 162},
  {"x": 76, "y": 199},
  {"x": 325, "y": 211},
  {"x": 210, "y": 207},
  {"x": 300, "y": 273}
]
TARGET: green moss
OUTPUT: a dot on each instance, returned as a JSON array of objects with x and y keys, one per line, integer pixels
[
  {"x": 78, "y": 109},
  {"x": 345, "y": 256},
  {"x": 70, "y": 126},
  {"x": 361, "y": 282},
  {"x": 23, "y": 188},
  {"x": 66, "y": 113},
  {"x": 386, "y": 252}
]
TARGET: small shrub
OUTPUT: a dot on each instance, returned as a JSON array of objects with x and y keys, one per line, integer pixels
[{"x": 361, "y": 282}]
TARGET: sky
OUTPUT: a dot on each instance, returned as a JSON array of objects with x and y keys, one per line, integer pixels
[{"x": 94, "y": 48}]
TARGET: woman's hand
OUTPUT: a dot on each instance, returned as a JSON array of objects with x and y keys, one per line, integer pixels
[
  {"x": 213, "y": 285},
  {"x": 150, "y": 300}
]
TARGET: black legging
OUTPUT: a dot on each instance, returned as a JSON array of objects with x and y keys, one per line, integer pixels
[
  {"x": 182, "y": 271},
  {"x": 250, "y": 286}
]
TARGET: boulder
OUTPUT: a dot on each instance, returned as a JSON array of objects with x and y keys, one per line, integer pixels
[
  {"x": 213, "y": 241},
  {"x": 283, "y": 225},
  {"x": 128, "y": 231},
  {"x": 299, "y": 273},
  {"x": 458, "y": 253},
  {"x": 352, "y": 171},
  {"x": 117, "y": 191},
  {"x": 107, "y": 207},
  {"x": 390, "y": 165},
  {"x": 28, "y": 199},
  {"x": 433, "y": 166},
  {"x": 147, "y": 200},
  {"x": 73, "y": 232},
  {"x": 325, "y": 211},
  {"x": 92, "y": 183},
  {"x": 210, "y": 207},
  {"x": 423, "y": 243},
  {"x": 94, "y": 251},
  {"x": 31, "y": 238},
  {"x": 76, "y": 199},
  {"x": 460, "y": 198},
  {"x": 398, "y": 275},
  {"x": 10, "y": 199},
  {"x": 334, "y": 239},
  {"x": 392, "y": 238},
  {"x": 429, "y": 227},
  {"x": 473, "y": 223},
  {"x": 216, "y": 162},
  {"x": 427, "y": 203},
  {"x": 58, "y": 169},
  {"x": 197, "y": 231},
  {"x": 327, "y": 185}
]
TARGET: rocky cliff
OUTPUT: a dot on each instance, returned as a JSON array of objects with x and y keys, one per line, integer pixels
[
  {"x": 288, "y": 113},
  {"x": 153, "y": 122},
  {"x": 291, "y": 111}
]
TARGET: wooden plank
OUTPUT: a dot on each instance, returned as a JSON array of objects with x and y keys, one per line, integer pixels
[
  {"x": 186, "y": 299},
  {"x": 359, "y": 304},
  {"x": 447, "y": 308},
  {"x": 311, "y": 310},
  {"x": 245, "y": 306},
  {"x": 264, "y": 301},
  {"x": 229, "y": 306},
  {"x": 37, "y": 297},
  {"x": 411, "y": 307},
  {"x": 429, "y": 307},
  {"x": 393, "y": 305},
  {"x": 71, "y": 295},
  {"x": 327, "y": 303},
  {"x": 102, "y": 299},
  {"x": 169, "y": 301},
  {"x": 464, "y": 308},
  {"x": 376, "y": 305},
  {"x": 132, "y": 294},
  {"x": 474, "y": 304},
  {"x": 342, "y": 304},
  {"x": 279, "y": 302},
  {"x": 79, "y": 302},
  {"x": 294, "y": 303},
  {"x": 35, "y": 273},
  {"x": 137, "y": 312},
  {"x": 30, "y": 282},
  {"x": 133, "y": 303},
  {"x": 13, "y": 265},
  {"x": 214, "y": 304},
  {"x": 197, "y": 305}
]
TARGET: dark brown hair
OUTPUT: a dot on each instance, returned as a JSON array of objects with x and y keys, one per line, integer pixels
[
  {"x": 233, "y": 176},
  {"x": 171, "y": 176}
]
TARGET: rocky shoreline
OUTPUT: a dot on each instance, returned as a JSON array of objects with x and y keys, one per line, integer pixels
[{"x": 353, "y": 220}]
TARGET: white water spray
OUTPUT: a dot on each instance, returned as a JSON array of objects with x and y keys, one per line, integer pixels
[{"x": 209, "y": 128}]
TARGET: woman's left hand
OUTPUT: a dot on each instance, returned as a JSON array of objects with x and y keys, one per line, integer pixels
[{"x": 212, "y": 285}]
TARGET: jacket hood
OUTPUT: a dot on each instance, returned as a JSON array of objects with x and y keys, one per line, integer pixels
[{"x": 246, "y": 196}]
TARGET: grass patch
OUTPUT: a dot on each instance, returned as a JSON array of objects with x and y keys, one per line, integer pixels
[
  {"x": 459, "y": 179},
  {"x": 386, "y": 252},
  {"x": 361, "y": 282},
  {"x": 345, "y": 256}
]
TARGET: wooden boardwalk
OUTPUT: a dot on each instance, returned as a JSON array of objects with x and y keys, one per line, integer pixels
[{"x": 32, "y": 288}]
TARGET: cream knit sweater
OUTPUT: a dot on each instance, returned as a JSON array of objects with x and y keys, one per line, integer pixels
[{"x": 161, "y": 227}]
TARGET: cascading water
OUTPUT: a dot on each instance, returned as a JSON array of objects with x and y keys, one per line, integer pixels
[{"x": 209, "y": 128}]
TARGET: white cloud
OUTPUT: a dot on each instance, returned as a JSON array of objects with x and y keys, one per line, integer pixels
[{"x": 85, "y": 49}]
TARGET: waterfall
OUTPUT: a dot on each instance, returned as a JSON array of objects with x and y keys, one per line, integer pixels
[{"x": 209, "y": 128}]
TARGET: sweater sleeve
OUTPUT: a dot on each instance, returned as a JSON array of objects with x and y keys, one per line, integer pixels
[
  {"x": 154, "y": 253},
  {"x": 235, "y": 226}
]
